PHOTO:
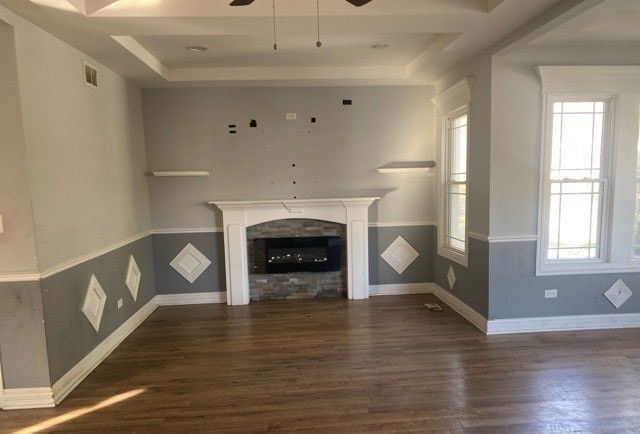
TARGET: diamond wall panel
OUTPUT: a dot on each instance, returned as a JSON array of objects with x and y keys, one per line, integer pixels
[
  {"x": 400, "y": 254},
  {"x": 94, "y": 301},
  {"x": 190, "y": 263}
]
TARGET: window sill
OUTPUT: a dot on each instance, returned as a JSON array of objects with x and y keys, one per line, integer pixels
[
  {"x": 454, "y": 255},
  {"x": 597, "y": 268}
]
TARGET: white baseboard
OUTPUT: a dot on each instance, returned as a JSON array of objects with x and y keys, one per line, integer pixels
[
  {"x": 461, "y": 307},
  {"x": 194, "y": 298},
  {"x": 79, "y": 372},
  {"x": 36, "y": 397},
  {"x": 401, "y": 289},
  {"x": 563, "y": 323}
]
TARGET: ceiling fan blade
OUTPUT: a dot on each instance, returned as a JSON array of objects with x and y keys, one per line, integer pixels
[
  {"x": 241, "y": 2},
  {"x": 358, "y": 2}
]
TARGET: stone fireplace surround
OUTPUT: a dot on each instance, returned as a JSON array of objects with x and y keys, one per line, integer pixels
[
  {"x": 296, "y": 284},
  {"x": 238, "y": 215}
]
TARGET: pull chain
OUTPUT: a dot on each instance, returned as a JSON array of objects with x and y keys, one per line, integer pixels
[
  {"x": 275, "y": 42},
  {"x": 318, "y": 44}
]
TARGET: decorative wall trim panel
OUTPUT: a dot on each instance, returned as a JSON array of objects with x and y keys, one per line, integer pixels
[
  {"x": 563, "y": 323},
  {"x": 187, "y": 231},
  {"x": 477, "y": 236},
  {"x": 502, "y": 238},
  {"x": 190, "y": 263},
  {"x": 512, "y": 238},
  {"x": 132, "y": 279},
  {"x": 33, "y": 276},
  {"x": 84, "y": 367},
  {"x": 401, "y": 289},
  {"x": 400, "y": 224},
  {"x": 36, "y": 397},
  {"x": 400, "y": 254},
  {"x": 84, "y": 258},
  {"x": 94, "y": 301},
  {"x": 194, "y": 298}
]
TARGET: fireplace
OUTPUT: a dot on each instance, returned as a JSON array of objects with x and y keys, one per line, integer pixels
[
  {"x": 296, "y": 255},
  {"x": 239, "y": 216}
]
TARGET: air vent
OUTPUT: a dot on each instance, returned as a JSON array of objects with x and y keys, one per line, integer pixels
[{"x": 90, "y": 75}]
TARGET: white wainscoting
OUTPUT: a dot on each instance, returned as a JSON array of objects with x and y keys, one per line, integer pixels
[
  {"x": 563, "y": 323},
  {"x": 195, "y": 298},
  {"x": 35, "y": 397},
  {"x": 84, "y": 367},
  {"x": 401, "y": 289}
]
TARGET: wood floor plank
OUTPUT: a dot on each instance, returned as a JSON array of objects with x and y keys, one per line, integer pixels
[{"x": 386, "y": 365}]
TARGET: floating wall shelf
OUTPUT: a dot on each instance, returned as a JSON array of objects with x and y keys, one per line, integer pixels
[
  {"x": 407, "y": 167},
  {"x": 180, "y": 173}
]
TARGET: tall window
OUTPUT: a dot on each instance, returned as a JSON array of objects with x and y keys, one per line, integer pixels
[
  {"x": 578, "y": 180},
  {"x": 456, "y": 182},
  {"x": 453, "y": 106},
  {"x": 589, "y": 218},
  {"x": 636, "y": 228}
]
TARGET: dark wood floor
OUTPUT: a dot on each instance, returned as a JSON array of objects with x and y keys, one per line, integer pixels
[{"x": 387, "y": 365}]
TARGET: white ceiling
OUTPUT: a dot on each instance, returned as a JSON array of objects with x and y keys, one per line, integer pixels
[
  {"x": 145, "y": 40},
  {"x": 615, "y": 22}
]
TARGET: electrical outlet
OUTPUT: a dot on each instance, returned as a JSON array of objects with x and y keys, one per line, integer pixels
[
  {"x": 120, "y": 303},
  {"x": 551, "y": 293},
  {"x": 291, "y": 116}
]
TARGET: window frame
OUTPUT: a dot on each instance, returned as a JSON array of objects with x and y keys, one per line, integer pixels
[
  {"x": 445, "y": 249},
  {"x": 544, "y": 265},
  {"x": 455, "y": 99}
]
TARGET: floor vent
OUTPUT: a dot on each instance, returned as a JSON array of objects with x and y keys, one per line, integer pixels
[
  {"x": 433, "y": 307},
  {"x": 90, "y": 75}
]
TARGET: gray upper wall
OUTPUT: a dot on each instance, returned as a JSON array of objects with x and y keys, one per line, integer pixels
[
  {"x": 85, "y": 148},
  {"x": 516, "y": 128},
  {"x": 17, "y": 243},
  {"x": 188, "y": 129},
  {"x": 480, "y": 68}
]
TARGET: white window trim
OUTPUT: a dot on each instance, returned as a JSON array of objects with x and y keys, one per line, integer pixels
[
  {"x": 453, "y": 102},
  {"x": 622, "y": 83},
  {"x": 545, "y": 266}
]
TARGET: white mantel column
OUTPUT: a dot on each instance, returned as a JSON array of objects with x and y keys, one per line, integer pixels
[
  {"x": 357, "y": 251},
  {"x": 237, "y": 215},
  {"x": 236, "y": 257}
]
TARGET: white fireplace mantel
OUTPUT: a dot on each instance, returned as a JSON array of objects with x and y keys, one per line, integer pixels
[{"x": 238, "y": 215}]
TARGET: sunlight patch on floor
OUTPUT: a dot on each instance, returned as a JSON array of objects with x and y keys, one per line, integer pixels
[{"x": 46, "y": 424}]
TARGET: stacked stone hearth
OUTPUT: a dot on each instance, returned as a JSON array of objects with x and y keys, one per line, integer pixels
[{"x": 330, "y": 284}]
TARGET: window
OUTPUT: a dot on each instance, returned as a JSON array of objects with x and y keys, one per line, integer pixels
[
  {"x": 455, "y": 220},
  {"x": 589, "y": 212},
  {"x": 577, "y": 179},
  {"x": 576, "y": 184},
  {"x": 453, "y": 105},
  {"x": 636, "y": 226}
]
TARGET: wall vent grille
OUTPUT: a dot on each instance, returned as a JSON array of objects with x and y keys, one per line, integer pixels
[{"x": 90, "y": 74}]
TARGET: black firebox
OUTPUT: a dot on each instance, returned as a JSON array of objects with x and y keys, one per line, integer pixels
[{"x": 295, "y": 255}]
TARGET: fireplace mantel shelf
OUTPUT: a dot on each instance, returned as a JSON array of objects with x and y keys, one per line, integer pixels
[
  {"x": 238, "y": 215},
  {"x": 293, "y": 203}
]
